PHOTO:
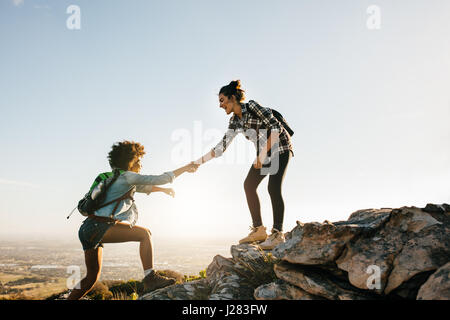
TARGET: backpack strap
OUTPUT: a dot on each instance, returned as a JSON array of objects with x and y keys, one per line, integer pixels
[
  {"x": 106, "y": 175},
  {"x": 127, "y": 195},
  {"x": 257, "y": 131},
  {"x": 281, "y": 120}
]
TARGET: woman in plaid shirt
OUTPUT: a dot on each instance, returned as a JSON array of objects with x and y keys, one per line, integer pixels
[{"x": 274, "y": 150}]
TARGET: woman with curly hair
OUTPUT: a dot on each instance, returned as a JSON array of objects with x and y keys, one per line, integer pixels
[
  {"x": 115, "y": 222},
  {"x": 273, "y": 145}
]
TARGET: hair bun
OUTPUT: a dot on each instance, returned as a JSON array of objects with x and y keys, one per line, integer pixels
[
  {"x": 233, "y": 89},
  {"x": 235, "y": 84}
]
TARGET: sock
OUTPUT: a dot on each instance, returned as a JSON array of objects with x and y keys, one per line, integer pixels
[{"x": 148, "y": 271}]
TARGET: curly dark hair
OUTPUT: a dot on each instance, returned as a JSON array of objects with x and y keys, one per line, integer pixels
[
  {"x": 233, "y": 89},
  {"x": 124, "y": 153}
]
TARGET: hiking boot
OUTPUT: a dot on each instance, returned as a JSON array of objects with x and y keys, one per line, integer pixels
[
  {"x": 273, "y": 240},
  {"x": 257, "y": 234},
  {"x": 155, "y": 281}
]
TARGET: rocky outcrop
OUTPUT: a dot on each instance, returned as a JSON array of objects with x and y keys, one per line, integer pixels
[
  {"x": 384, "y": 253},
  {"x": 234, "y": 278}
]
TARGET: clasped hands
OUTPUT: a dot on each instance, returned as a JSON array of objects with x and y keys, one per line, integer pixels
[{"x": 192, "y": 167}]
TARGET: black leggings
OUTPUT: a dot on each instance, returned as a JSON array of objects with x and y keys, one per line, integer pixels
[{"x": 251, "y": 183}]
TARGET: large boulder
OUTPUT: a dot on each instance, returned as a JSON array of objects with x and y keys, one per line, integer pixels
[
  {"x": 411, "y": 242},
  {"x": 391, "y": 252},
  {"x": 225, "y": 280},
  {"x": 316, "y": 243},
  {"x": 437, "y": 287},
  {"x": 320, "y": 283}
]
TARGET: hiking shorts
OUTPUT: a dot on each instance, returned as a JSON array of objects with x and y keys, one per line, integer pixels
[{"x": 91, "y": 233}]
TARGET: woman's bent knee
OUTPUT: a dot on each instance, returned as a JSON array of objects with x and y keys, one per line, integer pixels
[
  {"x": 146, "y": 234},
  {"x": 90, "y": 281}
]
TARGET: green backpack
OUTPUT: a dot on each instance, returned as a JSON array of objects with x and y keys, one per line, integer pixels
[{"x": 93, "y": 200}]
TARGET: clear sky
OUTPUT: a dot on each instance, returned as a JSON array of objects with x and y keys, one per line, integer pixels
[{"x": 370, "y": 107}]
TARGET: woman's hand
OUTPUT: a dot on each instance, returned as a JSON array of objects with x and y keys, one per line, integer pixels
[
  {"x": 257, "y": 164},
  {"x": 169, "y": 192},
  {"x": 192, "y": 167}
]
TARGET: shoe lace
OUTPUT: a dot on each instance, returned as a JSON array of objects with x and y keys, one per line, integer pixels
[
  {"x": 252, "y": 229},
  {"x": 274, "y": 234}
]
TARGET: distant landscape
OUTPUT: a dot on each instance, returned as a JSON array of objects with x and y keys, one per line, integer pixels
[{"x": 38, "y": 269}]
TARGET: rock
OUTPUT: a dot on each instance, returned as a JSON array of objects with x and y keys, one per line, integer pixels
[
  {"x": 369, "y": 218},
  {"x": 234, "y": 278},
  {"x": 437, "y": 287},
  {"x": 425, "y": 253},
  {"x": 292, "y": 239},
  {"x": 411, "y": 219},
  {"x": 238, "y": 277},
  {"x": 281, "y": 290},
  {"x": 223, "y": 280},
  {"x": 409, "y": 289},
  {"x": 318, "y": 282},
  {"x": 218, "y": 265},
  {"x": 256, "y": 263},
  {"x": 369, "y": 257},
  {"x": 316, "y": 243},
  {"x": 437, "y": 208},
  {"x": 383, "y": 253},
  {"x": 247, "y": 252},
  {"x": 411, "y": 242},
  {"x": 193, "y": 290}
]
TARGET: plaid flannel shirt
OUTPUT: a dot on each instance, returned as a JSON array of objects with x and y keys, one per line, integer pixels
[{"x": 256, "y": 124}]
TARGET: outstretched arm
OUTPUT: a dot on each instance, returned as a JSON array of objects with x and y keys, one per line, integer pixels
[
  {"x": 220, "y": 148},
  {"x": 210, "y": 155},
  {"x": 167, "y": 177}
]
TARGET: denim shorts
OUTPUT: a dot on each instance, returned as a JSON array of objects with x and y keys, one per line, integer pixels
[{"x": 91, "y": 233}]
